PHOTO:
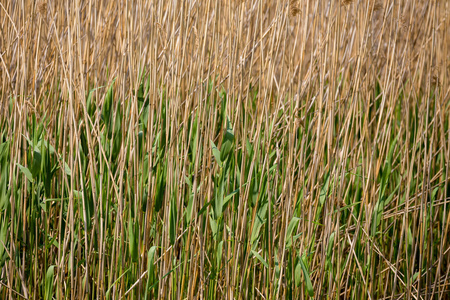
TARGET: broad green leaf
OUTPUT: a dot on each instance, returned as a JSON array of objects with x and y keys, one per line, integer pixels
[
  {"x": 89, "y": 105},
  {"x": 26, "y": 172},
  {"x": 107, "y": 106},
  {"x": 259, "y": 221},
  {"x": 4, "y": 191},
  {"x": 173, "y": 221},
  {"x": 213, "y": 225},
  {"x": 292, "y": 225},
  {"x": 216, "y": 153},
  {"x": 189, "y": 208},
  {"x": 160, "y": 187},
  {"x": 76, "y": 194},
  {"x": 188, "y": 181},
  {"x": 308, "y": 282},
  {"x": 205, "y": 206},
  {"x": 249, "y": 148},
  {"x": 330, "y": 249},
  {"x": 219, "y": 254},
  {"x": 298, "y": 273},
  {"x": 324, "y": 191},
  {"x": 150, "y": 270},
  {"x": 49, "y": 283},
  {"x": 4, "y": 150},
  {"x": 218, "y": 200},
  {"x": 260, "y": 258},
  {"x": 229, "y": 196},
  {"x": 3, "y": 237},
  {"x": 227, "y": 143},
  {"x": 67, "y": 169},
  {"x": 132, "y": 236},
  {"x": 36, "y": 165},
  {"x": 410, "y": 238}
]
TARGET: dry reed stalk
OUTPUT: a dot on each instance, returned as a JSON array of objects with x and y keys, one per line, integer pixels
[{"x": 116, "y": 179}]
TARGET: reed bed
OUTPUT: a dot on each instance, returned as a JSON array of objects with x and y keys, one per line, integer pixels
[{"x": 224, "y": 149}]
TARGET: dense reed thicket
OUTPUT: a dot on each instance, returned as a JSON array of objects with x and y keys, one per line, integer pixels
[{"x": 224, "y": 149}]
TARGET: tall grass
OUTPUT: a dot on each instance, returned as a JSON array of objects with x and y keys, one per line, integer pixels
[{"x": 224, "y": 149}]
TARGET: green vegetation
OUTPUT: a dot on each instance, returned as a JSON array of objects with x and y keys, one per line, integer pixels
[{"x": 218, "y": 162}]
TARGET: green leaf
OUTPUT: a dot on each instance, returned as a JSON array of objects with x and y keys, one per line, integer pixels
[
  {"x": 133, "y": 243},
  {"x": 3, "y": 239},
  {"x": 67, "y": 169},
  {"x": 203, "y": 209},
  {"x": 173, "y": 221},
  {"x": 89, "y": 106},
  {"x": 160, "y": 187},
  {"x": 227, "y": 143},
  {"x": 4, "y": 191},
  {"x": 108, "y": 292},
  {"x": 107, "y": 107},
  {"x": 382, "y": 201},
  {"x": 298, "y": 273},
  {"x": 219, "y": 254},
  {"x": 249, "y": 148},
  {"x": 433, "y": 194},
  {"x": 324, "y": 191},
  {"x": 151, "y": 260},
  {"x": 189, "y": 208},
  {"x": 150, "y": 270},
  {"x": 216, "y": 153},
  {"x": 188, "y": 181},
  {"x": 36, "y": 165},
  {"x": 49, "y": 283},
  {"x": 308, "y": 283},
  {"x": 260, "y": 258},
  {"x": 4, "y": 150},
  {"x": 26, "y": 172},
  {"x": 213, "y": 225},
  {"x": 259, "y": 221},
  {"x": 218, "y": 200},
  {"x": 229, "y": 196},
  {"x": 290, "y": 229},
  {"x": 330, "y": 249}
]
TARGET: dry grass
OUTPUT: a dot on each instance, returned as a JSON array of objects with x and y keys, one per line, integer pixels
[{"x": 224, "y": 149}]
